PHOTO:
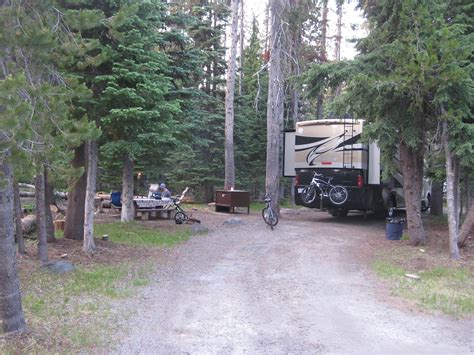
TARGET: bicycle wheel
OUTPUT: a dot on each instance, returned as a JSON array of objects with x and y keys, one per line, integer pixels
[
  {"x": 308, "y": 194},
  {"x": 179, "y": 218},
  {"x": 338, "y": 195},
  {"x": 270, "y": 217}
]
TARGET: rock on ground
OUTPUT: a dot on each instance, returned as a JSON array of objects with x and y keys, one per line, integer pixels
[
  {"x": 59, "y": 266},
  {"x": 234, "y": 221},
  {"x": 198, "y": 228}
]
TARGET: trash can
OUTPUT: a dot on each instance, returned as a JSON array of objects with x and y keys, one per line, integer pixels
[{"x": 394, "y": 228}]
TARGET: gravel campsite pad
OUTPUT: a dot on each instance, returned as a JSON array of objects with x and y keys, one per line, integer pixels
[{"x": 244, "y": 288}]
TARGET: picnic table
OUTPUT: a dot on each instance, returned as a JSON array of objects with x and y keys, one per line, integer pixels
[{"x": 151, "y": 207}]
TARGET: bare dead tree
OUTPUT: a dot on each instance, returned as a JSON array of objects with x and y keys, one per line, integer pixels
[
  {"x": 11, "y": 311},
  {"x": 127, "y": 212},
  {"x": 338, "y": 40},
  {"x": 88, "y": 244},
  {"x": 41, "y": 215},
  {"x": 323, "y": 53},
  {"x": 229, "y": 181},
  {"x": 242, "y": 40},
  {"x": 452, "y": 194},
  {"x": 275, "y": 100},
  {"x": 18, "y": 214}
]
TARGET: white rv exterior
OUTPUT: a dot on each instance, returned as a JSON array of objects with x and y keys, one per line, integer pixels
[{"x": 333, "y": 147}]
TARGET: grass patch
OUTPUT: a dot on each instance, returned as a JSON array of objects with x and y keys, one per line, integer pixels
[
  {"x": 72, "y": 311},
  {"x": 446, "y": 289},
  {"x": 386, "y": 270},
  {"x": 134, "y": 234},
  {"x": 258, "y": 206},
  {"x": 189, "y": 207}
]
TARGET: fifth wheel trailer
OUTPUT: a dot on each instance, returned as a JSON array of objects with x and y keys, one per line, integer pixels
[{"x": 333, "y": 147}]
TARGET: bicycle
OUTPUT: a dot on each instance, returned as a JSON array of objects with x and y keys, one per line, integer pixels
[
  {"x": 181, "y": 216},
  {"x": 337, "y": 194},
  {"x": 268, "y": 213}
]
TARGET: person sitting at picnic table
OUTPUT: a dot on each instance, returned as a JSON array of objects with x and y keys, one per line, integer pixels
[
  {"x": 154, "y": 192},
  {"x": 165, "y": 193},
  {"x": 156, "y": 195}
]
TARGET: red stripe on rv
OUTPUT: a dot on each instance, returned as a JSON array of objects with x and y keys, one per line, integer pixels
[{"x": 326, "y": 163}]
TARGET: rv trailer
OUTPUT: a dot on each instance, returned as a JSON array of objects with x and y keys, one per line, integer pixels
[{"x": 333, "y": 148}]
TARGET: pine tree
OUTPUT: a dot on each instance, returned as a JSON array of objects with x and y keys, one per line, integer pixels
[
  {"x": 411, "y": 67},
  {"x": 250, "y": 129},
  {"x": 135, "y": 91},
  {"x": 197, "y": 158},
  {"x": 122, "y": 64},
  {"x": 34, "y": 124}
]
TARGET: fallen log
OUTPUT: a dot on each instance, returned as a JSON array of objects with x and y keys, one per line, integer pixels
[
  {"x": 57, "y": 194},
  {"x": 28, "y": 224},
  {"x": 26, "y": 186},
  {"x": 27, "y": 194}
]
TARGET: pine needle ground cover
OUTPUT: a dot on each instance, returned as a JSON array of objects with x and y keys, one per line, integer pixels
[{"x": 77, "y": 311}]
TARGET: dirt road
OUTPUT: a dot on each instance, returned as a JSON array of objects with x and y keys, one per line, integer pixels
[{"x": 297, "y": 289}]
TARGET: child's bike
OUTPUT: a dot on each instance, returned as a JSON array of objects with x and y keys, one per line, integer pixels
[
  {"x": 269, "y": 214},
  {"x": 181, "y": 216}
]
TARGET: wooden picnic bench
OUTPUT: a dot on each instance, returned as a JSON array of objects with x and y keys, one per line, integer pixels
[{"x": 148, "y": 207}]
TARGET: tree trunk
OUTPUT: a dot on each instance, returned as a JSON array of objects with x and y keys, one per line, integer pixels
[
  {"x": 436, "y": 208},
  {"x": 451, "y": 195},
  {"x": 229, "y": 180},
  {"x": 338, "y": 39},
  {"x": 467, "y": 193},
  {"x": 323, "y": 56},
  {"x": 18, "y": 215},
  {"x": 89, "y": 245},
  {"x": 267, "y": 31},
  {"x": 275, "y": 103},
  {"x": 11, "y": 311},
  {"x": 242, "y": 40},
  {"x": 74, "y": 226},
  {"x": 295, "y": 115},
  {"x": 127, "y": 190},
  {"x": 295, "y": 46},
  {"x": 411, "y": 161},
  {"x": 337, "y": 49},
  {"x": 49, "y": 199},
  {"x": 324, "y": 28},
  {"x": 28, "y": 224},
  {"x": 467, "y": 226},
  {"x": 41, "y": 216},
  {"x": 457, "y": 189}
]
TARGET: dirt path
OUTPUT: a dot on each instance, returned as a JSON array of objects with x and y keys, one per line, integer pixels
[{"x": 246, "y": 289}]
